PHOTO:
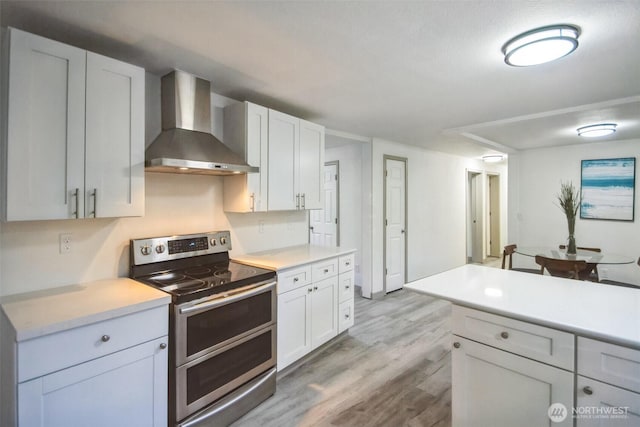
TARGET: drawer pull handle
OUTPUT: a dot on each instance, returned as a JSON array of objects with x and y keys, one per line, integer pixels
[
  {"x": 105, "y": 338},
  {"x": 456, "y": 344},
  {"x": 309, "y": 290},
  {"x": 295, "y": 279},
  {"x": 588, "y": 390},
  {"x": 504, "y": 335},
  {"x": 326, "y": 270},
  {"x": 347, "y": 263},
  {"x": 346, "y": 316},
  {"x": 163, "y": 345},
  {"x": 315, "y": 288},
  {"x": 347, "y": 287}
]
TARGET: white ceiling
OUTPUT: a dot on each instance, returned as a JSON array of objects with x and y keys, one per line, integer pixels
[{"x": 427, "y": 73}]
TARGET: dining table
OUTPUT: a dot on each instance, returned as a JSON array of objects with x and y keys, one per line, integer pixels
[{"x": 591, "y": 257}]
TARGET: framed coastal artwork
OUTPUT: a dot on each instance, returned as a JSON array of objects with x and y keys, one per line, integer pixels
[{"x": 608, "y": 189}]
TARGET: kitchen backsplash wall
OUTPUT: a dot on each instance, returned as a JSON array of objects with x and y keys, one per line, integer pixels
[{"x": 175, "y": 204}]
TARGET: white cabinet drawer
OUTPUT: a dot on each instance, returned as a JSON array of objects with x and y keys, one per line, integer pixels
[
  {"x": 324, "y": 269},
  {"x": 345, "y": 286},
  {"x": 346, "y": 263},
  {"x": 294, "y": 278},
  {"x": 535, "y": 342},
  {"x": 345, "y": 315},
  {"x": 618, "y": 407},
  {"x": 42, "y": 355},
  {"x": 612, "y": 364}
]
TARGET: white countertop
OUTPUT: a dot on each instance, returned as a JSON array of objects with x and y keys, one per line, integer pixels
[
  {"x": 292, "y": 256},
  {"x": 606, "y": 312},
  {"x": 45, "y": 312}
]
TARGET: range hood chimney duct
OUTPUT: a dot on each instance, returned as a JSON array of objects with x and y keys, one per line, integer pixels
[{"x": 186, "y": 144}]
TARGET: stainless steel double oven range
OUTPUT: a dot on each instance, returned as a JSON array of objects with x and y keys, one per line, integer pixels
[{"x": 222, "y": 359}]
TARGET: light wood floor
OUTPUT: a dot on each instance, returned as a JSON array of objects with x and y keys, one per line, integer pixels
[{"x": 392, "y": 369}]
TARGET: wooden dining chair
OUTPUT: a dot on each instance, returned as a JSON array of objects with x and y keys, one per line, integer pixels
[
  {"x": 591, "y": 273},
  {"x": 616, "y": 283},
  {"x": 508, "y": 251},
  {"x": 567, "y": 268}
]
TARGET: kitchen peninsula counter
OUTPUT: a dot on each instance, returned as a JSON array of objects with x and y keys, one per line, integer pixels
[
  {"x": 292, "y": 256},
  {"x": 592, "y": 310}
]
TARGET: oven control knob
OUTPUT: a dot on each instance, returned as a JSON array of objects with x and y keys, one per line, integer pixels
[
  {"x": 223, "y": 240},
  {"x": 145, "y": 250},
  {"x": 213, "y": 241},
  {"x": 160, "y": 248}
]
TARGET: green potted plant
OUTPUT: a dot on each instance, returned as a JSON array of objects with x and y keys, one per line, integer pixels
[{"x": 569, "y": 200}]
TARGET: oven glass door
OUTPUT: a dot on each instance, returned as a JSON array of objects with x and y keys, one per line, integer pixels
[
  {"x": 206, "y": 326},
  {"x": 205, "y": 380}
]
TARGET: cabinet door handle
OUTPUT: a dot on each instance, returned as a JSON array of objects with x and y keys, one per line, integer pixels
[
  {"x": 163, "y": 345},
  {"x": 315, "y": 288},
  {"x": 304, "y": 200},
  {"x": 76, "y": 194},
  {"x": 298, "y": 201},
  {"x": 588, "y": 390},
  {"x": 347, "y": 263},
  {"x": 253, "y": 202},
  {"x": 105, "y": 338},
  {"x": 326, "y": 270},
  {"x": 346, "y": 287},
  {"x": 504, "y": 335},
  {"x": 309, "y": 290},
  {"x": 346, "y": 316},
  {"x": 94, "y": 194},
  {"x": 456, "y": 344},
  {"x": 295, "y": 279}
]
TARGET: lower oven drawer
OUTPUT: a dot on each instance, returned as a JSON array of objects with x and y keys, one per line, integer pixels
[{"x": 210, "y": 377}]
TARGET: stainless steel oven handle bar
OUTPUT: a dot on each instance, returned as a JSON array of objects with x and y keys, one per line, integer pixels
[{"x": 229, "y": 297}]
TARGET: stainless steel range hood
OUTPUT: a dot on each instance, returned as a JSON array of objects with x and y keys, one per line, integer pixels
[{"x": 186, "y": 144}]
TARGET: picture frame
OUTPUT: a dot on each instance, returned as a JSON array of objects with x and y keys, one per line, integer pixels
[{"x": 608, "y": 189}]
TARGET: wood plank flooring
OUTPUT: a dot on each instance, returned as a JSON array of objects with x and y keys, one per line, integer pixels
[{"x": 392, "y": 369}]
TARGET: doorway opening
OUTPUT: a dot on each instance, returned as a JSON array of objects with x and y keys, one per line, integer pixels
[
  {"x": 494, "y": 247},
  {"x": 474, "y": 217},
  {"x": 324, "y": 224},
  {"x": 395, "y": 223}
]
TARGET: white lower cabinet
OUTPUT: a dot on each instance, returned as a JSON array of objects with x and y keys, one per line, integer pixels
[
  {"x": 601, "y": 404},
  {"x": 502, "y": 373},
  {"x": 126, "y": 388},
  {"x": 108, "y": 373},
  {"x": 491, "y": 387},
  {"x": 315, "y": 304},
  {"x": 608, "y": 384}
]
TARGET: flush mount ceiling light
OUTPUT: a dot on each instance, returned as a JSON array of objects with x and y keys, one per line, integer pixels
[
  {"x": 493, "y": 158},
  {"x": 541, "y": 45},
  {"x": 594, "y": 131}
]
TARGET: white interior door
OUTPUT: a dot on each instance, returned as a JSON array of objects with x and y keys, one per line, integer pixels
[
  {"x": 395, "y": 227},
  {"x": 475, "y": 217},
  {"x": 323, "y": 223}
]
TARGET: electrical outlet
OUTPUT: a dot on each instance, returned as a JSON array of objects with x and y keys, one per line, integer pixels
[{"x": 65, "y": 243}]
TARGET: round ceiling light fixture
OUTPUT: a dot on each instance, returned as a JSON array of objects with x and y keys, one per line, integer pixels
[
  {"x": 493, "y": 158},
  {"x": 541, "y": 45},
  {"x": 594, "y": 131}
]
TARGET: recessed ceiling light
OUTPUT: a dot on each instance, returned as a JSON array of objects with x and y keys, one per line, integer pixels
[
  {"x": 493, "y": 158},
  {"x": 594, "y": 131},
  {"x": 541, "y": 45}
]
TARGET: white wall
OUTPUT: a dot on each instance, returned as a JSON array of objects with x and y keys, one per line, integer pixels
[
  {"x": 436, "y": 209},
  {"x": 175, "y": 204},
  {"x": 535, "y": 220}
]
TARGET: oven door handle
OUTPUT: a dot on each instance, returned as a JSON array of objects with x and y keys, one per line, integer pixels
[{"x": 229, "y": 297}]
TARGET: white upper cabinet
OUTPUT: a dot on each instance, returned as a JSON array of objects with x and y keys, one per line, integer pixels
[
  {"x": 246, "y": 133},
  {"x": 114, "y": 138},
  {"x": 296, "y": 158},
  {"x": 284, "y": 143},
  {"x": 311, "y": 161},
  {"x": 74, "y": 133}
]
